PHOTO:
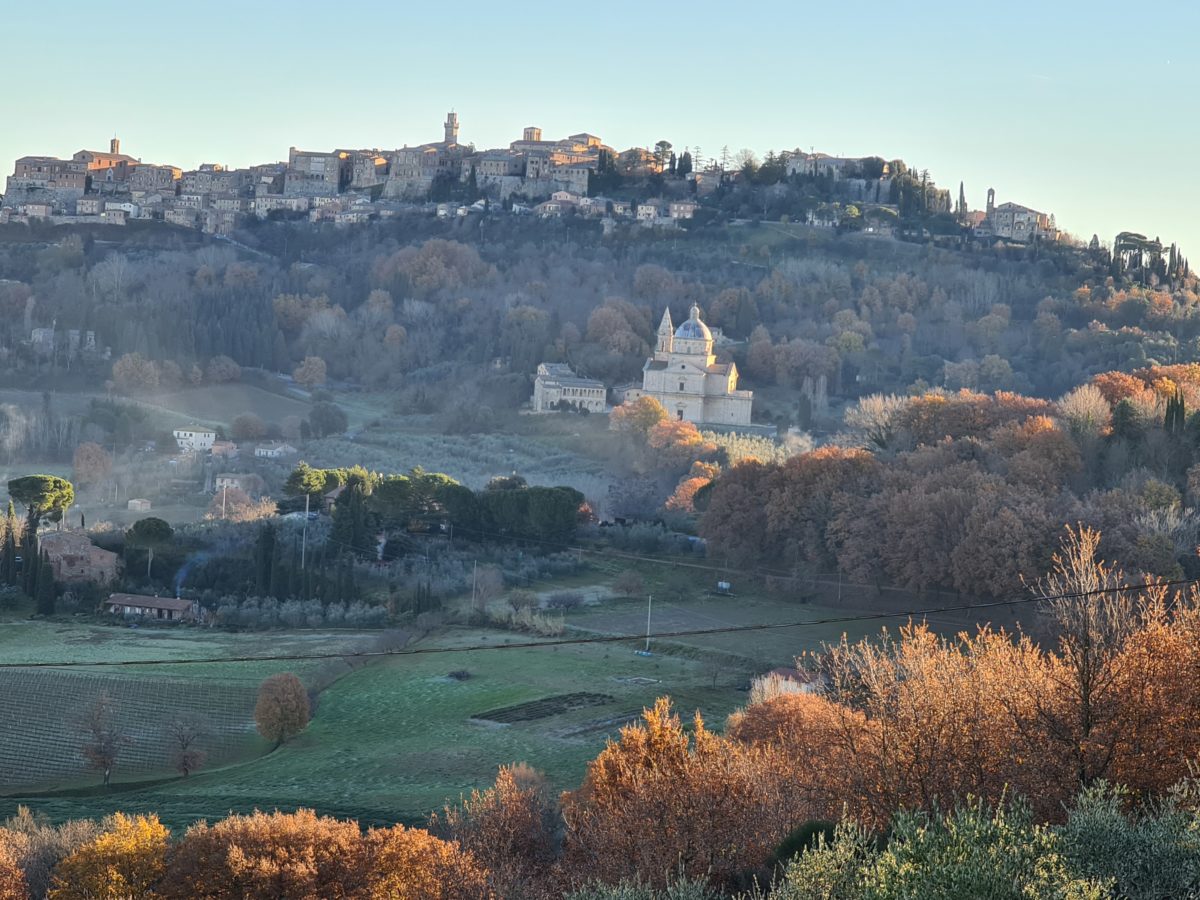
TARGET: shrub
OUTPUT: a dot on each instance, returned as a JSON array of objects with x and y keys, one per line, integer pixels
[
  {"x": 972, "y": 852},
  {"x": 522, "y": 600},
  {"x": 687, "y": 889},
  {"x": 565, "y": 600},
  {"x": 1151, "y": 854},
  {"x": 630, "y": 583}
]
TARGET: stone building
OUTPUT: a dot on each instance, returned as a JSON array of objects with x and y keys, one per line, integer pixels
[
  {"x": 74, "y": 558},
  {"x": 316, "y": 174},
  {"x": 367, "y": 168},
  {"x": 556, "y": 386},
  {"x": 1016, "y": 222},
  {"x": 155, "y": 178},
  {"x": 413, "y": 170},
  {"x": 685, "y": 377},
  {"x": 113, "y": 166}
]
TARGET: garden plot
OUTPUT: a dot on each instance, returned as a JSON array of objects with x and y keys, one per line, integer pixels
[{"x": 544, "y": 708}]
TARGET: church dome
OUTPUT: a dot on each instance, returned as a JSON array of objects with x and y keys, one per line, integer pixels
[{"x": 693, "y": 329}]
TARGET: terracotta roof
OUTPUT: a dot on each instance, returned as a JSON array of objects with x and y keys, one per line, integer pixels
[{"x": 140, "y": 600}]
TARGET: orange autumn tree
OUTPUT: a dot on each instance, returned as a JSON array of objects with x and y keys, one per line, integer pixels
[
  {"x": 677, "y": 443},
  {"x": 684, "y": 497},
  {"x": 637, "y": 417},
  {"x": 661, "y": 803},
  {"x": 921, "y": 720},
  {"x": 411, "y": 864},
  {"x": 268, "y": 855},
  {"x": 282, "y": 709},
  {"x": 510, "y": 827},
  {"x": 12, "y": 877},
  {"x": 126, "y": 861}
]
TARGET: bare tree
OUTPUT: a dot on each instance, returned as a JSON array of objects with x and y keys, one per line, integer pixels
[
  {"x": 876, "y": 418},
  {"x": 1092, "y": 621},
  {"x": 489, "y": 584},
  {"x": 103, "y": 738},
  {"x": 184, "y": 735}
]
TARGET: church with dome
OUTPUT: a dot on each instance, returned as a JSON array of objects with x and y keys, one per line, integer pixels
[{"x": 685, "y": 377}]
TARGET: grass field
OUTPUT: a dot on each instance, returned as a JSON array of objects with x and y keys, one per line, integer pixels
[
  {"x": 399, "y": 738},
  {"x": 220, "y": 404},
  {"x": 42, "y": 709},
  {"x": 766, "y": 648}
]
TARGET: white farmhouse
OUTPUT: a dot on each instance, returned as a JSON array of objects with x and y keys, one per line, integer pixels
[{"x": 195, "y": 438}]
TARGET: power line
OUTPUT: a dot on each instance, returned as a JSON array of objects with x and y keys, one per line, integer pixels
[{"x": 603, "y": 639}]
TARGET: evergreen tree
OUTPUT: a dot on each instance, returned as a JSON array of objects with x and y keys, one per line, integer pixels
[
  {"x": 45, "y": 586},
  {"x": 1176, "y": 414},
  {"x": 264, "y": 558},
  {"x": 29, "y": 561}
]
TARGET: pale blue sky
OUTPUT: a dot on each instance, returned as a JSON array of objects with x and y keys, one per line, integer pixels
[{"x": 1086, "y": 110}]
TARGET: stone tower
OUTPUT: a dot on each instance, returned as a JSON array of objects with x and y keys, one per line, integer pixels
[
  {"x": 991, "y": 203},
  {"x": 451, "y": 127},
  {"x": 532, "y": 134},
  {"x": 114, "y": 147},
  {"x": 666, "y": 333}
]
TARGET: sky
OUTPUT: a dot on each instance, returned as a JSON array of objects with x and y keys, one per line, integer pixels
[{"x": 1090, "y": 111}]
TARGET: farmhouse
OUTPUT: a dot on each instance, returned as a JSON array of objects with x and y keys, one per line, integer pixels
[
  {"x": 195, "y": 437},
  {"x": 274, "y": 450},
  {"x": 74, "y": 558},
  {"x": 168, "y": 609},
  {"x": 247, "y": 482}
]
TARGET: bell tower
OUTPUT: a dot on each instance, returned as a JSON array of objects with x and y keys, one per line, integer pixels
[
  {"x": 451, "y": 127},
  {"x": 991, "y": 202},
  {"x": 666, "y": 333},
  {"x": 114, "y": 146}
]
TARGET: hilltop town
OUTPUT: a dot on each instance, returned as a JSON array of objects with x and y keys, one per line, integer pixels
[{"x": 534, "y": 175}]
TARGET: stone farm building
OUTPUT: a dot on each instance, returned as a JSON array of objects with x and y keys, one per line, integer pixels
[
  {"x": 75, "y": 559},
  {"x": 685, "y": 377},
  {"x": 557, "y": 386},
  {"x": 168, "y": 609}
]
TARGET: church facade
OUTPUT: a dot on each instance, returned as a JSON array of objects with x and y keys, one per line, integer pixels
[{"x": 685, "y": 377}]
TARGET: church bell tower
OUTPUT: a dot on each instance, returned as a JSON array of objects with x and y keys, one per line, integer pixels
[
  {"x": 666, "y": 333},
  {"x": 451, "y": 127}
]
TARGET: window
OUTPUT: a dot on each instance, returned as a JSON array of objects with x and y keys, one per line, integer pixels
[{"x": 681, "y": 385}]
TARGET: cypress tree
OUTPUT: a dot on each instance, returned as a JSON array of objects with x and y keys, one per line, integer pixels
[
  {"x": 264, "y": 557},
  {"x": 45, "y": 586},
  {"x": 29, "y": 561}
]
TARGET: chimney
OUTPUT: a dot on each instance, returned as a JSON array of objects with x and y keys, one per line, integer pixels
[{"x": 114, "y": 146}]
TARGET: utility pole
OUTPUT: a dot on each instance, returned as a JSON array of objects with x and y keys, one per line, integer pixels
[
  {"x": 474, "y": 576},
  {"x": 224, "y": 488},
  {"x": 649, "y": 603},
  {"x": 304, "y": 532}
]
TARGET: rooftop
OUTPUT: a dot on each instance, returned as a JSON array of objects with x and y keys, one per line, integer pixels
[{"x": 175, "y": 603}]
